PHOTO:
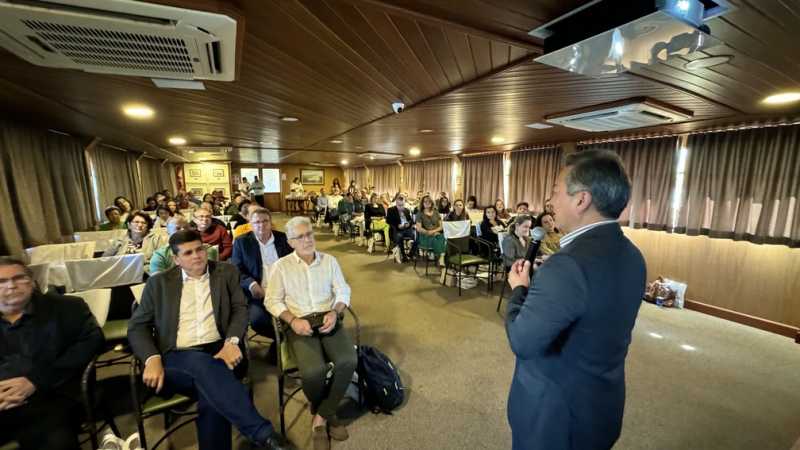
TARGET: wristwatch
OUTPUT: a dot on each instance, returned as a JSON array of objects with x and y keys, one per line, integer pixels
[{"x": 233, "y": 340}]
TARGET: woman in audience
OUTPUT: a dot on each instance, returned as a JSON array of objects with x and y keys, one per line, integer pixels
[
  {"x": 296, "y": 188},
  {"x": 429, "y": 230},
  {"x": 552, "y": 240},
  {"x": 515, "y": 243},
  {"x": 336, "y": 185},
  {"x": 352, "y": 188},
  {"x": 241, "y": 217},
  {"x": 375, "y": 222},
  {"x": 491, "y": 225},
  {"x": 124, "y": 206},
  {"x": 458, "y": 212},
  {"x": 139, "y": 239},
  {"x": 113, "y": 214},
  {"x": 162, "y": 216},
  {"x": 386, "y": 201},
  {"x": 151, "y": 204},
  {"x": 172, "y": 206},
  {"x": 502, "y": 212},
  {"x": 443, "y": 204},
  {"x": 472, "y": 203}
]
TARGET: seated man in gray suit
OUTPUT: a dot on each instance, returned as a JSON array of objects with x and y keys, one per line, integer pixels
[
  {"x": 571, "y": 330},
  {"x": 188, "y": 331}
]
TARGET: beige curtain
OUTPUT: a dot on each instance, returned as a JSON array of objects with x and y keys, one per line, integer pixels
[
  {"x": 359, "y": 174},
  {"x": 651, "y": 165},
  {"x": 149, "y": 170},
  {"x": 533, "y": 174},
  {"x": 744, "y": 185},
  {"x": 44, "y": 188},
  {"x": 438, "y": 177},
  {"x": 483, "y": 178},
  {"x": 386, "y": 178},
  {"x": 116, "y": 175},
  {"x": 413, "y": 177},
  {"x": 166, "y": 177}
]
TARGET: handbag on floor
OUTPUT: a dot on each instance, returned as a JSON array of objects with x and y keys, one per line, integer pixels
[{"x": 379, "y": 382}]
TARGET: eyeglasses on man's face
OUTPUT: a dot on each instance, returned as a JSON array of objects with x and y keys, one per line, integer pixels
[{"x": 307, "y": 235}]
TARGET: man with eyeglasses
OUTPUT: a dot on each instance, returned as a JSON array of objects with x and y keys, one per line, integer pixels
[
  {"x": 46, "y": 342},
  {"x": 254, "y": 254},
  {"x": 308, "y": 292},
  {"x": 213, "y": 233},
  {"x": 399, "y": 218}
]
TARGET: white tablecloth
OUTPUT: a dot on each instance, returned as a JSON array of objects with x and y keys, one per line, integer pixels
[
  {"x": 85, "y": 274},
  {"x": 99, "y": 302},
  {"x": 102, "y": 239},
  {"x": 60, "y": 252}
]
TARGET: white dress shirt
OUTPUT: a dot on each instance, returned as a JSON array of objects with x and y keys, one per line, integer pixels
[
  {"x": 269, "y": 254},
  {"x": 333, "y": 201},
  {"x": 196, "y": 322},
  {"x": 569, "y": 237},
  {"x": 306, "y": 288}
]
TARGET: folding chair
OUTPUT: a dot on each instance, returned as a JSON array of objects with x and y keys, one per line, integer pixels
[{"x": 458, "y": 258}]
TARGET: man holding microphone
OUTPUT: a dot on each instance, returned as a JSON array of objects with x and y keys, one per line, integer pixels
[{"x": 571, "y": 330}]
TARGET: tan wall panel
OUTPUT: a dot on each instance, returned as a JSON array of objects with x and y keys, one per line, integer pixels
[{"x": 759, "y": 280}]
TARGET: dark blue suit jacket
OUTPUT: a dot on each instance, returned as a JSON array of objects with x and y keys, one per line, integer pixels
[
  {"x": 570, "y": 333},
  {"x": 247, "y": 257}
]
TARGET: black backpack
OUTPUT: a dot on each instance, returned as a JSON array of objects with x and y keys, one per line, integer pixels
[{"x": 378, "y": 380}]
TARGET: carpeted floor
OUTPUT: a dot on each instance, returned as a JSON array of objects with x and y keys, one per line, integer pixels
[{"x": 732, "y": 387}]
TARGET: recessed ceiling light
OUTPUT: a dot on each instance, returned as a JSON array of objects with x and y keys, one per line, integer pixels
[
  {"x": 289, "y": 119},
  {"x": 335, "y": 141},
  {"x": 371, "y": 157},
  {"x": 539, "y": 126},
  {"x": 688, "y": 347},
  {"x": 784, "y": 97},
  {"x": 414, "y": 151},
  {"x": 426, "y": 130},
  {"x": 711, "y": 61},
  {"x": 344, "y": 162},
  {"x": 138, "y": 111},
  {"x": 191, "y": 151},
  {"x": 656, "y": 335},
  {"x": 177, "y": 140},
  {"x": 498, "y": 139},
  {"x": 358, "y": 147}
]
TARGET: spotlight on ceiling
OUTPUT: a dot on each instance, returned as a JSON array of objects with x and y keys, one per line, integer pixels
[{"x": 139, "y": 112}]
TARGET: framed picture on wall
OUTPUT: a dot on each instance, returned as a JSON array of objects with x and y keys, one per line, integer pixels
[
  {"x": 195, "y": 173},
  {"x": 312, "y": 176},
  {"x": 218, "y": 173},
  {"x": 198, "y": 192}
]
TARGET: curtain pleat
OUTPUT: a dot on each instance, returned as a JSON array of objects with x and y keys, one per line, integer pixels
[
  {"x": 533, "y": 174},
  {"x": 483, "y": 178},
  {"x": 386, "y": 179},
  {"x": 116, "y": 175}
]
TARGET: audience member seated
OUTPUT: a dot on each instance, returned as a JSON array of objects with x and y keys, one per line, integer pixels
[
  {"x": 190, "y": 338},
  {"x": 115, "y": 222},
  {"x": 344, "y": 212},
  {"x": 333, "y": 206},
  {"x": 385, "y": 201},
  {"x": 124, "y": 206},
  {"x": 46, "y": 342},
  {"x": 213, "y": 233},
  {"x": 491, "y": 225},
  {"x": 241, "y": 216},
  {"x": 233, "y": 207},
  {"x": 172, "y": 206},
  {"x": 502, "y": 213},
  {"x": 375, "y": 222},
  {"x": 162, "y": 258},
  {"x": 303, "y": 286},
  {"x": 162, "y": 216},
  {"x": 139, "y": 238},
  {"x": 254, "y": 254},
  {"x": 472, "y": 204},
  {"x": 399, "y": 218},
  {"x": 322, "y": 203},
  {"x": 523, "y": 208},
  {"x": 150, "y": 204},
  {"x": 429, "y": 230},
  {"x": 458, "y": 212},
  {"x": 552, "y": 240},
  {"x": 161, "y": 198},
  {"x": 515, "y": 243},
  {"x": 443, "y": 204}
]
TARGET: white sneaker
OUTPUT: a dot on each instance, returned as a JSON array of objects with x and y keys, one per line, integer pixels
[
  {"x": 358, "y": 241},
  {"x": 397, "y": 256},
  {"x": 431, "y": 256},
  {"x": 443, "y": 276},
  {"x": 335, "y": 228},
  {"x": 441, "y": 260},
  {"x": 370, "y": 245}
]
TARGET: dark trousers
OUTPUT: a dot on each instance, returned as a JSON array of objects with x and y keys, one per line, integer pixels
[
  {"x": 312, "y": 354},
  {"x": 400, "y": 236},
  {"x": 260, "y": 319},
  {"x": 222, "y": 400},
  {"x": 45, "y": 422},
  {"x": 259, "y": 199}
]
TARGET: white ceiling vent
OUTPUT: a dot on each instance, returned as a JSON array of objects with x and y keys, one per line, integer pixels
[
  {"x": 120, "y": 37},
  {"x": 373, "y": 156},
  {"x": 631, "y": 113}
]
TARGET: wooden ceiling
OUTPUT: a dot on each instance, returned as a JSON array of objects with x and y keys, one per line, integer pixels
[{"x": 465, "y": 72}]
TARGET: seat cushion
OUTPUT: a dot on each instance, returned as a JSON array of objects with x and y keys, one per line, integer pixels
[
  {"x": 466, "y": 260},
  {"x": 115, "y": 330}
]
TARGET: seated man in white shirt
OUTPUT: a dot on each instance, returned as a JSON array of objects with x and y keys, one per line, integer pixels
[{"x": 307, "y": 287}]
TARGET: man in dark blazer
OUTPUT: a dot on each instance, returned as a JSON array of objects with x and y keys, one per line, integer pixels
[
  {"x": 261, "y": 247},
  {"x": 402, "y": 226},
  {"x": 189, "y": 330},
  {"x": 46, "y": 342},
  {"x": 571, "y": 330}
]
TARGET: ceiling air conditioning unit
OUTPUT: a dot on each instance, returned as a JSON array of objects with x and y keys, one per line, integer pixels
[
  {"x": 632, "y": 113},
  {"x": 120, "y": 37}
]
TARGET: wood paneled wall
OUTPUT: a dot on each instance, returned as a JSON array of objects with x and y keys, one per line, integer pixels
[
  {"x": 757, "y": 280},
  {"x": 290, "y": 171}
]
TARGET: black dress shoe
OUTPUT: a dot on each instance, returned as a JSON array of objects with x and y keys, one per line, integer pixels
[{"x": 276, "y": 442}]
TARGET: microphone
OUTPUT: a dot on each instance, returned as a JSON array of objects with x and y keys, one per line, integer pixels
[{"x": 537, "y": 234}]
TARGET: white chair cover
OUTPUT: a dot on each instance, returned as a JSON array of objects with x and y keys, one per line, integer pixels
[
  {"x": 475, "y": 216},
  {"x": 456, "y": 229},
  {"x": 60, "y": 252},
  {"x": 137, "y": 290},
  {"x": 105, "y": 272},
  {"x": 500, "y": 237},
  {"x": 224, "y": 219},
  {"x": 102, "y": 239},
  {"x": 99, "y": 301}
]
